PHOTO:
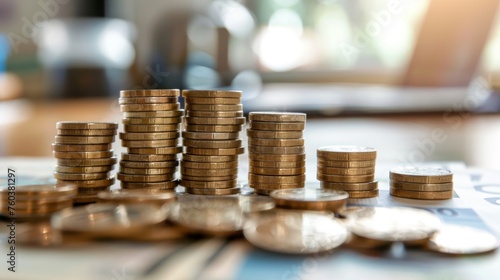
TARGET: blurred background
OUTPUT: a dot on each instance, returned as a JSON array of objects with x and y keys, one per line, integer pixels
[{"x": 392, "y": 69}]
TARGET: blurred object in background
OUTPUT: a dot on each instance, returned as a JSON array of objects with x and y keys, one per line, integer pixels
[{"x": 10, "y": 85}]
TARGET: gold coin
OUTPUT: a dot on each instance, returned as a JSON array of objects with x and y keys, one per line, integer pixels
[
  {"x": 34, "y": 205},
  {"x": 84, "y": 140},
  {"x": 145, "y": 164},
  {"x": 84, "y": 199},
  {"x": 80, "y": 148},
  {"x": 346, "y": 164},
  {"x": 149, "y": 136},
  {"x": 370, "y": 186},
  {"x": 149, "y": 93},
  {"x": 462, "y": 240},
  {"x": 208, "y": 172},
  {"x": 212, "y": 100},
  {"x": 137, "y": 196},
  {"x": 212, "y": 93},
  {"x": 274, "y": 158},
  {"x": 215, "y": 114},
  {"x": 89, "y": 183},
  {"x": 311, "y": 199},
  {"x": 277, "y": 171},
  {"x": 276, "y": 117},
  {"x": 215, "y": 152},
  {"x": 156, "y": 151},
  {"x": 83, "y": 155},
  {"x": 363, "y": 194},
  {"x": 144, "y": 178},
  {"x": 209, "y": 165},
  {"x": 213, "y": 128},
  {"x": 263, "y": 192},
  {"x": 276, "y": 186},
  {"x": 152, "y": 120},
  {"x": 278, "y": 164},
  {"x": 253, "y": 178},
  {"x": 210, "y": 135},
  {"x": 42, "y": 191},
  {"x": 92, "y": 191},
  {"x": 83, "y": 169},
  {"x": 154, "y": 114},
  {"x": 345, "y": 179},
  {"x": 208, "y": 178},
  {"x": 211, "y": 107},
  {"x": 150, "y": 143},
  {"x": 147, "y": 100},
  {"x": 276, "y": 150},
  {"x": 80, "y": 176},
  {"x": 209, "y": 185},
  {"x": 274, "y": 134},
  {"x": 148, "y": 158},
  {"x": 205, "y": 191},
  {"x": 87, "y": 125},
  {"x": 346, "y": 171},
  {"x": 202, "y": 158},
  {"x": 421, "y": 187},
  {"x": 276, "y": 126},
  {"x": 86, "y": 132},
  {"x": 346, "y": 153},
  {"x": 151, "y": 127},
  {"x": 168, "y": 185},
  {"x": 147, "y": 171},
  {"x": 216, "y": 121},
  {"x": 422, "y": 195},
  {"x": 425, "y": 175},
  {"x": 150, "y": 107},
  {"x": 276, "y": 142},
  {"x": 212, "y": 144},
  {"x": 87, "y": 162}
]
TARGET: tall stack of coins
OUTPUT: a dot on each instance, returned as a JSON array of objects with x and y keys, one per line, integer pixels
[
  {"x": 84, "y": 157},
  {"x": 348, "y": 168},
  {"x": 276, "y": 151},
  {"x": 151, "y": 121},
  {"x": 421, "y": 183},
  {"x": 214, "y": 119}
]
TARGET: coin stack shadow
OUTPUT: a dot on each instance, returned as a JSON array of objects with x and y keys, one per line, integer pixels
[
  {"x": 214, "y": 119},
  {"x": 348, "y": 168},
  {"x": 152, "y": 120},
  {"x": 424, "y": 183},
  {"x": 276, "y": 151},
  {"x": 84, "y": 157}
]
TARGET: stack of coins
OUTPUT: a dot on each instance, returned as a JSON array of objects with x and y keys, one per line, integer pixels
[
  {"x": 84, "y": 157},
  {"x": 421, "y": 183},
  {"x": 214, "y": 119},
  {"x": 276, "y": 151},
  {"x": 348, "y": 168},
  {"x": 152, "y": 120}
]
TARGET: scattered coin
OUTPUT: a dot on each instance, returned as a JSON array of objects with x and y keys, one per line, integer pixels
[
  {"x": 310, "y": 199},
  {"x": 462, "y": 240}
]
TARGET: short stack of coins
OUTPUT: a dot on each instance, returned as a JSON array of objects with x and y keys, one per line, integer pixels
[
  {"x": 348, "y": 168},
  {"x": 276, "y": 151},
  {"x": 152, "y": 120},
  {"x": 84, "y": 157},
  {"x": 424, "y": 183},
  {"x": 211, "y": 140}
]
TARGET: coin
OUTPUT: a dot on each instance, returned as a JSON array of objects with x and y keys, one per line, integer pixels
[
  {"x": 310, "y": 199},
  {"x": 212, "y": 100},
  {"x": 149, "y": 93},
  {"x": 167, "y": 185},
  {"x": 425, "y": 175},
  {"x": 276, "y": 117},
  {"x": 275, "y": 134},
  {"x": 150, "y": 107},
  {"x": 215, "y": 114},
  {"x": 207, "y": 191},
  {"x": 276, "y": 126},
  {"x": 146, "y": 164},
  {"x": 137, "y": 196},
  {"x": 263, "y": 191},
  {"x": 462, "y": 240},
  {"x": 276, "y": 142},
  {"x": 253, "y": 178},
  {"x": 87, "y": 162},
  {"x": 363, "y": 194},
  {"x": 370, "y": 186},
  {"x": 213, "y": 128},
  {"x": 208, "y": 172},
  {"x": 211, "y": 107},
  {"x": 143, "y": 100},
  {"x": 422, "y": 195},
  {"x": 208, "y": 178},
  {"x": 81, "y": 148},
  {"x": 295, "y": 232},
  {"x": 210, "y": 135},
  {"x": 91, "y": 191},
  {"x": 203, "y": 158},
  {"x": 144, "y": 178},
  {"x": 212, "y": 93},
  {"x": 346, "y": 164},
  {"x": 278, "y": 164},
  {"x": 84, "y": 140},
  {"x": 422, "y": 187},
  {"x": 346, "y": 153},
  {"x": 89, "y": 183},
  {"x": 212, "y": 144},
  {"x": 346, "y": 171},
  {"x": 80, "y": 176},
  {"x": 154, "y": 114},
  {"x": 151, "y": 120},
  {"x": 156, "y": 151},
  {"x": 87, "y": 125},
  {"x": 215, "y": 152},
  {"x": 209, "y": 165},
  {"x": 147, "y": 171},
  {"x": 274, "y": 158},
  {"x": 41, "y": 191},
  {"x": 216, "y": 121},
  {"x": 152, "y": 128},
  {"x": 276, "y": 150},
  {"x": 149, "y": 136},
  {"x": 83, "y": 155},
  {"x": 86, "y": 132},
  {"x": 276, "y": 186},
  {"x": 277, "y": 171},
  {"x": 85, "y": 199},
  {"x": 345, "y": 179},
  {"x": 209, "y": 185},
  {"x": 149, "y": 157},
  {"x": 83, "y": 169},
  {"x": 393, "y": 223},
  {"x": 150, "y": 143}
]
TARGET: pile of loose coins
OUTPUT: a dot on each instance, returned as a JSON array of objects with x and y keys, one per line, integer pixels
[
  {"x": 214, "y": 119},
  {"x": 348, "y": 168},
  {"x": 152, "y": 120},
  {"x": 84, "y": 157},
  {"x": 424, "y": 183},
  {"x": 276, "y": 151}
]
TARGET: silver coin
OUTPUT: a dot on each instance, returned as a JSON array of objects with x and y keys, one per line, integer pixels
[{"x": 461, "y": 240}]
